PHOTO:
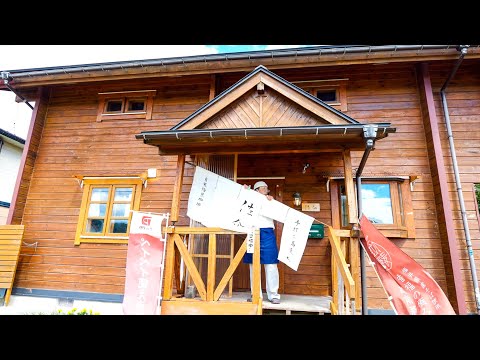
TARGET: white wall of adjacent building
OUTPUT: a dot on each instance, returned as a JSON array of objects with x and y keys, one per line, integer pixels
[{"x": 10, "y": 157}]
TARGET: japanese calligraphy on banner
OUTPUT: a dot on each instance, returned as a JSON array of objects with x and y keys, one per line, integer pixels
[
  {"x": 200, "y": 200},
  {"x": 241, "y": 214},
  {"x": 216, "y": 201},
  {"x": 294, "y": 238},
  {"x": 251, "y": 240},
  {"x": 145, "y": 258},
  {"x": 412, "y": 290}
]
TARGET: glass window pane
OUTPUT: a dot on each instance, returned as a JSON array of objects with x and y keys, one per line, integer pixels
[
  {"x": 94, "y": 226},
  {"x": 121, "y": 210},
  {"x": 99, "y": 194},
  {"x": 377, "y": 203},
  {"x": 114, "y": 105},
  {"x": 123, "y": 194},
  {"x": 136, "y": 105},
  {"x": 327, "y": 95},
  {"x": 118, "y": 226},
  {"x": 97, "y": 210}
]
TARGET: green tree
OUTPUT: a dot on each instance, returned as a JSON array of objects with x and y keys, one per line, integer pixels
[{"x": 477, "y": 193}]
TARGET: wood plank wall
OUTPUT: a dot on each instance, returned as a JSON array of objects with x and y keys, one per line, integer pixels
[
  {"x": 463, "y": 98},
  {"x": 73, "y": 144}
]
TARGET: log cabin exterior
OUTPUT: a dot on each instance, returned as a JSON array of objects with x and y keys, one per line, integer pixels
[{"x": 104, "y": 125}]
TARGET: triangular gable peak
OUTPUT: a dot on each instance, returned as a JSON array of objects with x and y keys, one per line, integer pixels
[{"x": 263, "y": 99}]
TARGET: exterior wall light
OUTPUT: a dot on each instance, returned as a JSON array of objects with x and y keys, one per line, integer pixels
[{"x": 297, "y": 199}]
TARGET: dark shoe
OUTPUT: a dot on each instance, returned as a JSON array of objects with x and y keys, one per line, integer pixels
[
  {"x": 249, "y": 299},
  {"x": 275, "y": 301}
]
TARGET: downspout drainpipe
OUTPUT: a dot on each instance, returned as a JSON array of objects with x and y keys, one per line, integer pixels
[
  {"x": 369, "y": 134},
  {"x": 463, "y": 49},
  {"x": 6, "y": 78}
]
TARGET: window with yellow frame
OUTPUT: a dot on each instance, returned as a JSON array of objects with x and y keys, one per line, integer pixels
[{"x": 105, "y": 212}]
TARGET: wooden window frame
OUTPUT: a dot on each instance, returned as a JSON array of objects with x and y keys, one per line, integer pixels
[
  {"x": 88, "y": 184},
  {"x": 337, "y": 85},
  {"x": 400, "y": 195},
  {"x": 125, "y": 97}
]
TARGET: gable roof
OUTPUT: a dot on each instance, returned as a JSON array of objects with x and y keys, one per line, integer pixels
[{"x": 262, "y": 75}]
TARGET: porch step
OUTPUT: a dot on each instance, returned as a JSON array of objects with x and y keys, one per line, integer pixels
[
  {"x": 289, "y": 304},
  {"x": 298, "y": 304}
]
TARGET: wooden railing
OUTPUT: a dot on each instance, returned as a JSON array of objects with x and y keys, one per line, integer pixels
[
  {"x": 344, "y": 289},
  {"x": 209, "y": 294}
]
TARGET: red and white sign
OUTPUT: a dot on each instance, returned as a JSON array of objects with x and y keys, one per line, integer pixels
[
  {"x": 145, "y": 258},
  {"x": 411, "y": 289}
]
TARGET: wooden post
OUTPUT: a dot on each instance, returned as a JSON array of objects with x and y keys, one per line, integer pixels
[
  {"x": 349, "y": 188},
  {"x": 177, "y": 191},
  {"x": 212, "y": 87},
  {"x": 354, "y": 251},
  {"x": 354, "y": 255},
  {"x": 232, "y": 237},
  {"x": 212, "y": 262},
  {"x": 256, "y": 270},
  {"x": 169, "y": 260}
]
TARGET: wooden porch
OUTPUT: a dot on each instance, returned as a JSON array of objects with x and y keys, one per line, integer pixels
[
  {"x": 211, "y": 298},
  {"x": 290, "y": 304}
]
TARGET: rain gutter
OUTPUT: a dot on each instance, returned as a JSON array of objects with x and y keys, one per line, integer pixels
[
  {"x": 463, "y": 49},
  {"x": 254, "y": 55}
]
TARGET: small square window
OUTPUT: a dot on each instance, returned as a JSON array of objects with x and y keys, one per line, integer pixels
[
  {"x": 125, "y": 105},
  {"x": 327, "y": 95},
  {"x": 333, "y": 92}
]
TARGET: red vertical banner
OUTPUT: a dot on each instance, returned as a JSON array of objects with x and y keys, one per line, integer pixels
[
  {"x": 145, "y": 259},
  {"x": 411, "y": 289}
]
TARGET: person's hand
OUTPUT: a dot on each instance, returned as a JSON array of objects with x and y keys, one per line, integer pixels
[
  {"x": 245, "y": 186},
  {"x": 269, "y": 197}
]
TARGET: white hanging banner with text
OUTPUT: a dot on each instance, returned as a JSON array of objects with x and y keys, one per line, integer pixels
[{"x": 294, "y": 238}]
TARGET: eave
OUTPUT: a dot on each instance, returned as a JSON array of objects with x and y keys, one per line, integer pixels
[
  {"x": 236, "y": 62},
  {"x": 264, "y": 140}
]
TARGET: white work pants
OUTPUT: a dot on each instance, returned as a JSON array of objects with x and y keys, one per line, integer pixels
[{"x": 271, "y": 280}]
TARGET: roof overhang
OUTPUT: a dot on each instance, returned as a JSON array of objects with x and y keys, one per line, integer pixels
[
  {"x": 266, "y": 140},
  {"x": 235, "y": 62}
]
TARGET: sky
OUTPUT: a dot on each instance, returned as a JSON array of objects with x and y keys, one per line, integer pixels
[{"x": 15, "y": 117}]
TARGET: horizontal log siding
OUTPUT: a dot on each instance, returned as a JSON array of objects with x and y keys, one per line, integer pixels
[
  {"x": 383, "y": 93},
  {"x": 463, "y": 98},
  {"x": 73, "y": 143}
]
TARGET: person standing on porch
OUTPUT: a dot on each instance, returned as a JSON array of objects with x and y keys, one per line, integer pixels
[{"x": 268, "y": 250}]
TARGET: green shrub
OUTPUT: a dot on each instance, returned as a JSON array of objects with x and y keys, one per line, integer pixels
[{"x": 73, "y": 311}]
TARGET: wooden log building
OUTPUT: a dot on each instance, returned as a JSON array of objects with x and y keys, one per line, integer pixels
[{"x": 322, "y": 122}]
